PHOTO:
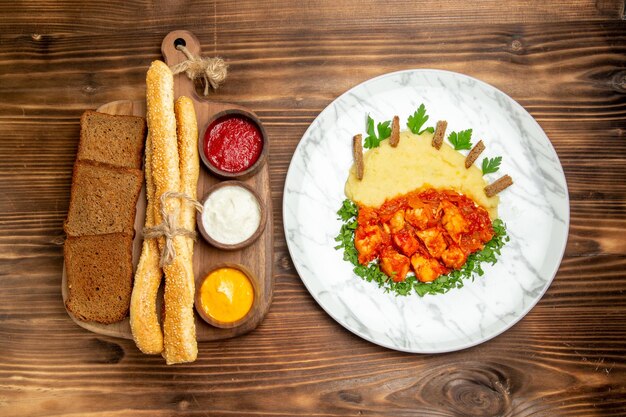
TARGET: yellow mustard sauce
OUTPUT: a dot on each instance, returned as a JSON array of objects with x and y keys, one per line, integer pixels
[{"x": 226, "y": 295}]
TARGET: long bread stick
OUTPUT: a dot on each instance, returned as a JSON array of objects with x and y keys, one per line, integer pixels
[
  {"x": 179, "y": 328},
  {"x": 187, "y": 133},
  {"x": 144, "y": 322}
]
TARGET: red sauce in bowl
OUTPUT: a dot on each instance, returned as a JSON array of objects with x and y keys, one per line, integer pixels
[{"x": 233, "y": 143}]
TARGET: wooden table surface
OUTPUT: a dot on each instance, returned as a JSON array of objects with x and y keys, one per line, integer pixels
[{"x": 564, "y": 61}]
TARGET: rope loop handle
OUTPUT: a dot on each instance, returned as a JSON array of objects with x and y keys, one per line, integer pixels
[{"x": 212, "y": 70}]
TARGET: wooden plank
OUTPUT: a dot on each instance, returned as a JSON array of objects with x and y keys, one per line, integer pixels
[
  {"x": 563, "y": 60},
  {"x": 41, "y": 17}
]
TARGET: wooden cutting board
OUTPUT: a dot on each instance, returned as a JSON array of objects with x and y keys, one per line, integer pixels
[{"x": 257, "y": 257}]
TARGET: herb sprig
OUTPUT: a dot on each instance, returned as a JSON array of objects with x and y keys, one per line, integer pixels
[
  {"x": 461, "y": 140},
  {"x": 491, "y": 165},
  {"x": 384, "y": 131},
  {"x": 376, "y": 133},
  {"x": 417, "y": 120},
  {"x": 372, "y": 273}
]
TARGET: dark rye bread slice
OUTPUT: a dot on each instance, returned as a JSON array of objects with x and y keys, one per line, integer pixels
[
  {"x": 114, "y": 140},
  {"x": 99, "y": 272},
  {"x": 103, "y": 199}
]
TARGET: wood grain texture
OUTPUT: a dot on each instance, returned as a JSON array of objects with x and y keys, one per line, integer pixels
[{"x": 564, "y": 61}]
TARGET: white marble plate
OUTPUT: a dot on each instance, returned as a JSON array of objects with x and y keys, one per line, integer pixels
[{"x": 535, "y": 210}]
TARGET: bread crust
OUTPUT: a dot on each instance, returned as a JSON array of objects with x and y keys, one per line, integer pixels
[
  {"x": 498, "y": 185},
  {"x": 179, "y": 328},
  {"x": 440, "y": 132},
  {"x": 357, "y": 153},
  {"x": 473, "y": 155},
  {"x": 394, "y": 138}
]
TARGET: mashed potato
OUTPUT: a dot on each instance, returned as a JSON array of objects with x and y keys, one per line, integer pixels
[{"x": 415, "y": 164}]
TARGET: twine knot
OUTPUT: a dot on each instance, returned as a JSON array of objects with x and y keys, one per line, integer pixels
[
  {"x": 169, "y": 228},
  {"x": 211, "y": 70}
]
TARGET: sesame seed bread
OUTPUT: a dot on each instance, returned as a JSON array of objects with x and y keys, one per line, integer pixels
[
  {"x": 179, "y": 328},
  {"x": 99, "y": 276},
  {"x": 103, "y": 199},
  {"x": 111, "y": 139}
]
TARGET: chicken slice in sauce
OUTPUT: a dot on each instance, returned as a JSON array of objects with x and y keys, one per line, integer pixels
[
  {"x": 453, "y": 257},
  {"x": 406, "y": 241},
  {"x": 367, "y": 241},
  {"x": 426, "y": 269},
  {"x": 394, "y": 264},
  {"x": 453, "y": 221},
  {"x": 434, "y": 241}
]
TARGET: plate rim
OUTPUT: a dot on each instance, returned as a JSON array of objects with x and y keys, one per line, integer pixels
[{"x": 527, "y": 308}]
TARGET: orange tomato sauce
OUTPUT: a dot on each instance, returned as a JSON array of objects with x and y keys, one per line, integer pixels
[{"x": 426, "y": 232}]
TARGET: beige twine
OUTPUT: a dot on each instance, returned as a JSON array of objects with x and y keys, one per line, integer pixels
[
  {"x": 168, "y": 228},
  {"x": 211, "y": 70}
]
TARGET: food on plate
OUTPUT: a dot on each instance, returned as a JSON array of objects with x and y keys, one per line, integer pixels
[
  {"x": 99, "y": 273},
  {"x": 179, "y": 330},
  {"x": 440, "y": 132},
  {"x": 231, "y": 214},
  {"x": 112, "y": 139},
  {"x": 394, "y": 138},
  {"x": 357, "y": 152},
  {"x": 422, "y": 217},
  {"x": 225, "y": 296},
  {"x": 429, "y": 233},
  {"x": 233, "y": 143},
  {"x": 499, "y": 185},
  {"x": 414, "y": 163},
  {"x": 103, "y": 199},
  {"x": 473, "y": 155}
]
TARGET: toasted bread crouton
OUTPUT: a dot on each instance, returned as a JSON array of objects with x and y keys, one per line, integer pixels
[
  {"x": 473, "y": 155},
  {"x": 440, "y": 132},
  {"x": 357, "y": 151},
  {"x": 498, "y": 186},
  {"x": 395, "y": 132}
]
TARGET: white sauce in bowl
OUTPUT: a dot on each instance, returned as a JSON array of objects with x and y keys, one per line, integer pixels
[{"x": 231, "y": 215}]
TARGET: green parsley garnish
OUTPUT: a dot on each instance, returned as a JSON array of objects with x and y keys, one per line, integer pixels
[
  {"x": 461, "y": 140},
  {"x": 384, "y": 131},
  {"x": 491, "y": 165},
  {"x": 372, "y": 273},
  {"x": 418, "y": 119}
]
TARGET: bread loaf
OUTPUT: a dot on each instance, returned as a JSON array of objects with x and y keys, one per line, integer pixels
[
  {"x": 144, "y": 322},
  {"x": 179, "y": 328},
  {"x": 103, "y": 199},
  {"x": 99, "y": 273},
  {"x": 187, "y": 134},
  {"x": 111, "y": 139},
  {"x": 106, "y": 183}
]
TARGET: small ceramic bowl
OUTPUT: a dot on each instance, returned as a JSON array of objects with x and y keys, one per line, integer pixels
[
  {"x": 232, "y": 246},
  {"x": 254, "y": 168},
  {"x": 228, "y": 325}
]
